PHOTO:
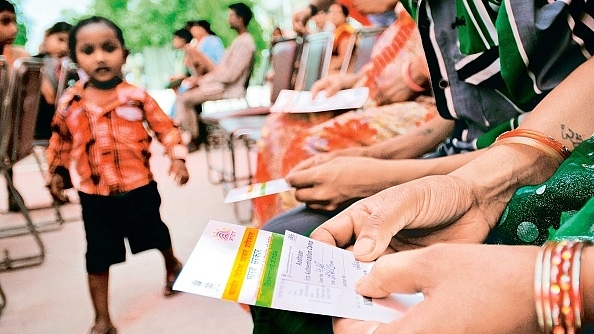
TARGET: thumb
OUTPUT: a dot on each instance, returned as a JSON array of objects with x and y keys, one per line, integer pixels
[
  {"x": 380, "y": 281},
  {"x": 377, "y": 228}
]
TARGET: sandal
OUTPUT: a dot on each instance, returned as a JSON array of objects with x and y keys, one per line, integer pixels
[{"x": 168, "y": 291}]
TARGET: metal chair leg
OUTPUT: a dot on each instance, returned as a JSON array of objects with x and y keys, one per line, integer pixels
[{"x": 29, "y": 228}]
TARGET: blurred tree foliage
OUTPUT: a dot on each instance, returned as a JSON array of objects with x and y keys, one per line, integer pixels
[
  {"x": 151, "y": 23},
  {"x": 22, "y": 22}
]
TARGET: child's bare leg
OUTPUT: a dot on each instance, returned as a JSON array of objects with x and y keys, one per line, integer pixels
[
  {"x": 173, "y": 266},
  {"x": 98, "y": 287}
]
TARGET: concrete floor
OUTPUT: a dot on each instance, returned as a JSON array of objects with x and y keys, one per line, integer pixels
[{"x": 53, "y": 297}]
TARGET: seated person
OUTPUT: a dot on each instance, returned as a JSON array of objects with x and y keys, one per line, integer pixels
[
  {"x": 338, "y": 14},
  {"x": 209, "y": 46},
  {"x": 459, "y": 210},
  {"x": 475, "y": 106},
  {"x": 181, "y": 41},
  {"x": 53, "y": 50},
  {"x": 228, "y": 79},
  {"x": 392, "y": 109},
  {"x": 8, "y": 34}
]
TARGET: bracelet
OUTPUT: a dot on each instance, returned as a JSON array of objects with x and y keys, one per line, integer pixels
[
  {"x": 558, "y": 298},
  {"x": 408, "y": 81},
  {"x": 545, "y": 143},
  {"x": 313, "y": 9}
]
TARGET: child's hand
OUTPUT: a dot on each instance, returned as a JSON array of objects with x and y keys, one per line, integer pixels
[
  {"x": 56, "y": 188},
  {"x": 179, "y": 171}
]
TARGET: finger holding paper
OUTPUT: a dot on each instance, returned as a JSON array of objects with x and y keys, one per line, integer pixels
[
  {"x": 332, "y": 84},
  {"x": 443, "y": 272},
  {"x": 418, "y": 213}
]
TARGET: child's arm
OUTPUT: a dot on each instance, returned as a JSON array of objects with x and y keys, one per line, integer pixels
[
  {"x": 170, "y": 137},
  {"x": 58, "y": 158}
]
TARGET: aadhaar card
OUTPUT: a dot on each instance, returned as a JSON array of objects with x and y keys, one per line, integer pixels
[
  {"x": 257, "y": 190},
  {"x": 289, "y": 272}
]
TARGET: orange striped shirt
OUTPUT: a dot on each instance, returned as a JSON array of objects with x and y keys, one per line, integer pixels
[{"x": 109, "y": 145}]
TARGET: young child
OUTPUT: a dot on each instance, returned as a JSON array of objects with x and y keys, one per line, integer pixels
[
  {"x": 52, "y": 50},
  {"x": 8, "y": 33},
  {"x": 99, "y": 126}
]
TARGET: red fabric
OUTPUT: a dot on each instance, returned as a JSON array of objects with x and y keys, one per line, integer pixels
[{"x": 109, "y": 145}]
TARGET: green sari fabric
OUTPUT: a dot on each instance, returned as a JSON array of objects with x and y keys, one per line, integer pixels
[{"x": 560, "y": 208}]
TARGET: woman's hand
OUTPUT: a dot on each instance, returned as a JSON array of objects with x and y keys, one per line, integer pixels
[
  {"x": 391, "y": 87},
  {"x": 439, "y": 208},
  {"x": 333, "y": 183},
  {"x": 331, "y": 85},
  {"x": 467, "y": 288},
  {"x": 179, "y": 171}
]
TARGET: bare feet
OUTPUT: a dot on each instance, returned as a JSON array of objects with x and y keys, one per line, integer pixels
[{"x": 170, "y": 279}]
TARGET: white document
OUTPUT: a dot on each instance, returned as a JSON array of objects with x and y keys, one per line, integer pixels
[
  {"x": 293, "y": 101},
  {"x": 289, "y": 272},
  {"x": 257, "y": 190}
]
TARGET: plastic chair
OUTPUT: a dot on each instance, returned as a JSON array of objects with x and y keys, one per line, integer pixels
[
  {"x": 17, "y": 126},
  {"x": 224, "y": 135},
  {"x": 234, "y": 129},
  {"x": 366, "y": 38},
  {"x": 315, "y": 59}
]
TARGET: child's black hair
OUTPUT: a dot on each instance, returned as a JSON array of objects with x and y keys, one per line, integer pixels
[
  {"x": 184, "y": 34},
  {"x": 91, "y": 20},
  {"x": 6, "y": 6},
  {"x": 58, "y": 27}
]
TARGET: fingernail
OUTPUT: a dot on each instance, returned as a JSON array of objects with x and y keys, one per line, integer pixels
[{"x": 363, "y": 246}]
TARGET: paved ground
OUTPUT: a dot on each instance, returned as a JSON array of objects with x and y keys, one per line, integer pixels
[{"x": 53, "y": 298}]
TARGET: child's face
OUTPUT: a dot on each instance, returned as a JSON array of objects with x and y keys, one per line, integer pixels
[
  {"x": 8, "y": 27},
  {"x": 178, "y": 42},
  {"x": 57, "y": 44},
  {"x": 99, "y": 52}
]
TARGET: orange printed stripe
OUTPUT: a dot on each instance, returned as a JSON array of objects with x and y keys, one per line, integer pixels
[{"x": 240, "y": 266}]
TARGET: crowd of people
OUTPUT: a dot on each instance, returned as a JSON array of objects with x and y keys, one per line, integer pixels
[{"x": 401, "y": 181}]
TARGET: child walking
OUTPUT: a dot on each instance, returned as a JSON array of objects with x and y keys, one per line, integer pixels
[{"x": 99, "y": 126}]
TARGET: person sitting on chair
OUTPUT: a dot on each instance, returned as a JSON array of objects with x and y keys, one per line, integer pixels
[
  {"x": 228, "y": 79},
  {"x": 8, "y": 33}
]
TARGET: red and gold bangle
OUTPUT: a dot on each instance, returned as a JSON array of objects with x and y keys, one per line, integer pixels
[
  {"x": 408, "y": 81},
  {"x": 545, "y": 143},
  {"x": 558, "y": 298}
]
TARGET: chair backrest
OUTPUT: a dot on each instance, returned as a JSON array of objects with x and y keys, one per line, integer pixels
[
  {"x": 315, "y": 59},
  {"x": 283, "y": 56},
  {"x": 349, "y": 56},
  {"x": 68, "y": 76},
  {"x": 366, "y": 38},
  {"x": 20, "y": 109}
]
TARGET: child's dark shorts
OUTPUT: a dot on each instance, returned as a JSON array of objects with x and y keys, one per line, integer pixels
[{"x": 109, "y": 220}]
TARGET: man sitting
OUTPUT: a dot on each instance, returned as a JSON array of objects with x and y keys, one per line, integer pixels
[{"x": 229, "y": 77}]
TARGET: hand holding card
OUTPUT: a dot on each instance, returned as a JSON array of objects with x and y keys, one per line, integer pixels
[{"x": 257, "y": 190}]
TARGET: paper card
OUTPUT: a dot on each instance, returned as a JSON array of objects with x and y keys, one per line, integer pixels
[
  {"x": 289, "y": 272},
  {"x": 292, "y": 101},
  {"x": 257, "y": 190}
]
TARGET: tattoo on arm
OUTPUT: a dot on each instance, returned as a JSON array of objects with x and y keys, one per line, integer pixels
[
  {"x": 568, "y": 134},
  {"x": 426, "y": 132}
]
